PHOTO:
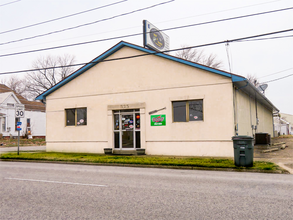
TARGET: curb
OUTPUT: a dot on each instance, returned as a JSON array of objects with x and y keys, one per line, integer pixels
[
  {"x": 283, "y": 171},
  {"x": 285, "y": 167}
]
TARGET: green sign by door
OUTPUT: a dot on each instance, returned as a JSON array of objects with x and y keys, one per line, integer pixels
[{"x": 158, "y": 120}]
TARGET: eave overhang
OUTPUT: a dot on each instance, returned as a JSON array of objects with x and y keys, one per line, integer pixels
[{"x": 234, "y": 78}]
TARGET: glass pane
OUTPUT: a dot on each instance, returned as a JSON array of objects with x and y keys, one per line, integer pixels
[
  {"x": 81, "y": 116},
  {"x": 137, "y": 121},
  {"x": 127, "y": 139},
  {"x": 116, "y": 122},
  {"x": 116, "y": 140},
  {"x": 3, "y": 124},
  {"x": 70, "y": 117},
  {"x": 179, "y": 111},
  {"x": 137, "y": 139},
  {"x": 28, "y": 122},
  {"x": 195, "y": 110},
  {"x": 127, "y": 122}
]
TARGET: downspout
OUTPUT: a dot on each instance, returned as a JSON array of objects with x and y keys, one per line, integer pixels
[
  {"x": 235, "y": 113},
  {"x": 274, "y": 113},
  {"x": 256, "y": 115},
  {"x": 235, "y": 108},
  {"x": 250, "y": 116}
]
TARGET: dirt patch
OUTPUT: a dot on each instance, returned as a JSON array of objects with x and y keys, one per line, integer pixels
[
  {"x": 283, "y": 156},
  {"x": 23, "y": 142},
  {"x": 282, "y": 153},
  {"x": 289, "y": 165}
]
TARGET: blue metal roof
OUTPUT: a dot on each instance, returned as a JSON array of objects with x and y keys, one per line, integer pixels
[{"x": 117, "y": 47}]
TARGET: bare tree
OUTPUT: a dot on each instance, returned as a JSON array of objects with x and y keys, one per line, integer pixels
[
  {"x": 253, "y": 80},
  {"x": 50, "y": 71},
  {"x": 16, "y": 84},
  {"x": 198, "y": 56}
]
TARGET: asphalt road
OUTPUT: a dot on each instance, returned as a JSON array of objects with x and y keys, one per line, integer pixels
[{"x": 61, "y": 191}]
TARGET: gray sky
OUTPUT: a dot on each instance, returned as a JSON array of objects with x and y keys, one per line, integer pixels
[{"x": 266, "y": 59}]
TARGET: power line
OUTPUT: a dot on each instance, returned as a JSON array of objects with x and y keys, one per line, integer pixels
[
  {"x": 275, "y": 73},
  {"x": 132, "y": 35},
  {"x": 278, "y": 78},
  {"x": 9, "y": 3},
  {"x": 271, "y": 38},
  {"x": 215, "y": 12},
  {"x": 153, "y": 52},
  {"x": 56, "y": 19},
  {"x": 86, "y": 24}
]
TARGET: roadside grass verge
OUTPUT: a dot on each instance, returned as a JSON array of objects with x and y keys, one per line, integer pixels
[{"x": 190, "y": 162}]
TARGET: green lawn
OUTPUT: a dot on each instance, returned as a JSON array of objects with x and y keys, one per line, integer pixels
[{"x": 190, "y": 162}]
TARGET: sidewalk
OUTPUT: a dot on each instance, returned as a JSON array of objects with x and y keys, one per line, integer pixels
[{"x": 26, "y": 148}]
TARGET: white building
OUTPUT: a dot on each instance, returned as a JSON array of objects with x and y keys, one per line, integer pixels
[
  {"x": 282, "y": 126},
  {"x": 33, "y": 121},
  {"x": 152, "y": 101}
]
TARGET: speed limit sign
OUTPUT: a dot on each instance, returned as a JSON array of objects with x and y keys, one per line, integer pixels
[{"x": 19, "y": 111}]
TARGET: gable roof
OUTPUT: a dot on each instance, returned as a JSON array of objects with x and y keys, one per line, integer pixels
[
  {"x": 148, "y": 52},
  {"x": 240, "y": 81},
  {"x": 29, "y": 105},
  {"x": 6, "y": 95}
]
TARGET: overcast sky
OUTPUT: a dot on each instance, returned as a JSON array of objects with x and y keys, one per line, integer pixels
[{"x": 267, "y": 59}]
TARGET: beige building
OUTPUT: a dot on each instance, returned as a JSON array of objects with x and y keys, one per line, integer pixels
[{"x": 132, "y": 98}]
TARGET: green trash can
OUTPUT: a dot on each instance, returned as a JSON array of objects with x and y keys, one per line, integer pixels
[{"x": 243, "y": 151}]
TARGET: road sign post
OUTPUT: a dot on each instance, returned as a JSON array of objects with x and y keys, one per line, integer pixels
[
  {"x": 19, "y": 113},
  {"x": 18, "y": 128}
]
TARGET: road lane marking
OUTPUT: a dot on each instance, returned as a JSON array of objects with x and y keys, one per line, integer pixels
[{"x": 48, "y": 181}]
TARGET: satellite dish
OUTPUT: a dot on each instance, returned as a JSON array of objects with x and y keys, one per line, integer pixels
[{"x": 262, "y": 88}]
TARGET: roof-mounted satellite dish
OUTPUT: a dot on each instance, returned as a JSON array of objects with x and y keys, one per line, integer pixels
[{"x": 262, "y": 88}]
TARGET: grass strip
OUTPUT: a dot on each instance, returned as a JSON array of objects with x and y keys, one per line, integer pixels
[{"x": 141, "y": 160}]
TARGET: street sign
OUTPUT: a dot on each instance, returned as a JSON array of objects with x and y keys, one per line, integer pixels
[
  {"x": 18, "y": 126},
  {"x": 19, "y": 111}
]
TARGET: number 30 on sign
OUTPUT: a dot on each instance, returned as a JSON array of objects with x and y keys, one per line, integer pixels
[{"x": 19, "y": 111}]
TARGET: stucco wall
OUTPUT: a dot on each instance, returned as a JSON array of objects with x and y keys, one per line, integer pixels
[
  {"x": 156, "y": 82},
  {"x": 247, "y": 112}
]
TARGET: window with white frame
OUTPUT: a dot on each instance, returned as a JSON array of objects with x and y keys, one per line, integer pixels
[
  {"x": 76, "y": 116},
  {"x": 189, "y": 110},
  {"x": 3, "y": 124}
]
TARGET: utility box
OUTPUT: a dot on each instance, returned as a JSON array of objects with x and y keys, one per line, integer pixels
[
  {"x": 262, "y": 138},
  {"x": 243, "y": 151}
]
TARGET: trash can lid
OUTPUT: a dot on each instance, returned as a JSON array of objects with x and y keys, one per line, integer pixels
[{"x": 242, "y": 137}]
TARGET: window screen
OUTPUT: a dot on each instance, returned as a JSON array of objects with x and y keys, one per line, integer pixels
[{"x": 179, "y": 111}]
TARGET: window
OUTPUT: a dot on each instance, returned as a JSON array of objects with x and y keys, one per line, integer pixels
[
  {"x": 10, "y": 105},
  {"x": 28, "y": 122},
  {"x": 184, "y": 111},
  {"x": 28, "y": 126},
  {"x": 3, "y": 122},
  {"x": 76, "y": 116},
  {"x": 16, "y": 120}
]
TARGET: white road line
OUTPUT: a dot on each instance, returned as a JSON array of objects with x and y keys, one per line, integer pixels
[{"x": 48, "y": 181}]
